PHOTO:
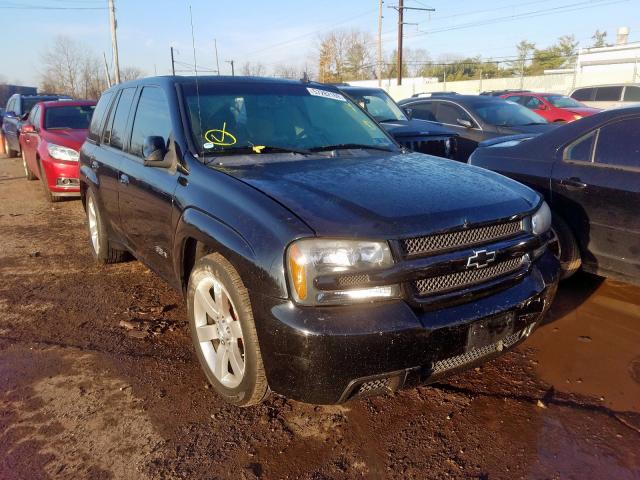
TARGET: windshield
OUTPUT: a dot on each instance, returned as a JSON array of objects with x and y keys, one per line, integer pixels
[
  {"x": 28, "y": 103},
  {"x": 561, "y": 101},
  {"x": 73, "y": 117},
  {"x": 507, "y": 114},
  {"x": 379, "y": 105},
  {"x": 256, "y": 117}
]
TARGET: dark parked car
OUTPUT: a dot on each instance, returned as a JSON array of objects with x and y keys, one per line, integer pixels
[
  {"x": 476, "y": 118},
  {"x": 499, "y": 93},
  {"x": 589, "y": 172},
  {"x": 414, "y": 134},
  {"x": 317, "y": 259},
  {"x": 17, "y": 110}
]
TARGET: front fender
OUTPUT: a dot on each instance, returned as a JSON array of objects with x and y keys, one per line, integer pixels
[{"x": 221, "y": 238}]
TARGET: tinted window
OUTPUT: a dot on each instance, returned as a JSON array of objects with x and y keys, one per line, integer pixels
[
  {"x": 74, "y": 117},
  {"x": 32, "y": 117},
  {"x": 98, "y": 115},
  {"x": 532, "y": 103},
  {"x": 37, "y": 116},
  {"x": 449, "y": 113},
  {"x": 507, "y": 114},
  {"x": 424, "y": 111},
  {"x": 583, "y": 94},
  {"x": 117, "y": 133},
  {"x": 152, "y": 119},
  {"x": 517, "y": 98},
  {"x": 632, "y": 94},
  {"x": 580, "y": 150},
  {"x": 608, "y": 94},
  {"x": 619, "y": 144}
]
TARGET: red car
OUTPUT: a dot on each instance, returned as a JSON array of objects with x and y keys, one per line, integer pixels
[
  {"x": 50, "y": 141},
  {"x": 552, "y": 106}
]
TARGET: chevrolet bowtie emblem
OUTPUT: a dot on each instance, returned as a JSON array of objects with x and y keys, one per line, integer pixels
[{"x": 481, "y": 258}]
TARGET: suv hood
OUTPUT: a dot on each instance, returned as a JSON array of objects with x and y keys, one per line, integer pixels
[
  {"x": 387, "y": 196},
  {"x": 416, "y": 128}
]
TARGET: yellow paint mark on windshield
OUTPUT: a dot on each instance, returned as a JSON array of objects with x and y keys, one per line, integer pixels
[
  {"x": 220, "y": 137},
  {"x": 258, "y": 148}
]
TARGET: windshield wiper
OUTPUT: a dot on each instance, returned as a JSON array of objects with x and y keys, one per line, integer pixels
[
  {"x": 533, "y": 123},
  {"x": 255, "y": 150},
  {"x": 386, "y": 120},
  {"x": 347, "y": 146}
]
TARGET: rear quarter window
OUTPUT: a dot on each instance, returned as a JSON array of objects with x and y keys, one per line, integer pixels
[
  {"x": 632, "y": 94},
  {"x": 97, "y": 121},
  {"x": 608, "y": 94},
  {"x": 583, "y": 94}
]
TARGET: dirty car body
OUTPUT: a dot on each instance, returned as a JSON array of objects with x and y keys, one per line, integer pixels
[{"x": 452, "y": 262}]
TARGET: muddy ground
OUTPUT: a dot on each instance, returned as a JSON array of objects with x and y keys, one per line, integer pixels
[{"x": 98, "y": 380}]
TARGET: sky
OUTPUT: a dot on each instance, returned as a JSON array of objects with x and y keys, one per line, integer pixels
[{"x": 276, "y": 32}]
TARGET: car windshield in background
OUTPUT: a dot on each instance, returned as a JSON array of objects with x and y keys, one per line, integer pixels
[
  {"x": 28, "y": 103},
  {"x": 507, "y": 114},
  {"x": 560, "y": 101},
  {"x": 380, "y": 106},
  {"x": 253, "y": 118},
  {"x": 75, "y": 117}
]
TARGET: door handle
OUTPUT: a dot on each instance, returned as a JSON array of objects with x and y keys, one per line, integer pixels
[
  {"x": 94, "y": 165},
  {"x": 573, "y": 182},
  {"x": 124, "y": 179}
]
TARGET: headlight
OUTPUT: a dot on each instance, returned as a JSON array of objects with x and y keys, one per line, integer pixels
[
  {"x": 62, "y": 153},
  {"x": 541, "y": 220},
  {"x": 310, "y": 258}
]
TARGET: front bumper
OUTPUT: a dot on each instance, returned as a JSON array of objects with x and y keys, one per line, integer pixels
[
  {"x": 331, "y": 354},
  {"x": 62, "y": 177}
]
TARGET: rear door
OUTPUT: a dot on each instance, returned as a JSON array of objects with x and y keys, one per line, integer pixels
[
  {"x": 146, "y": 193},
  {"x": 32, "y": 140},
  {"x": 596, "y": 187}
]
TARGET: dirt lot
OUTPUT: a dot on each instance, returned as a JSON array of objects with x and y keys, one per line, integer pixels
[{"x": 98, "y": 380}]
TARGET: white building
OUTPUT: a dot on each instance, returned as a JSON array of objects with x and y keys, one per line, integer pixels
[{"x": 620, "y": 62}]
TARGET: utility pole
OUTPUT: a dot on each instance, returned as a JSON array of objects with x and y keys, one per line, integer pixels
[
  {"x": 401, "y": 8},
  {"x": 233, "y": 73},
  {"x": 215, "y": 45},
  {"x": 114, "y": 41},
  {"x": 173, "y": 64},
  {"x": 106, "y": 70},
  {"x": 379, "y": 66}
]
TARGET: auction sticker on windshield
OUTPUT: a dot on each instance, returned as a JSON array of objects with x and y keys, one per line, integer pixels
[{"x": 324, "y": 93}]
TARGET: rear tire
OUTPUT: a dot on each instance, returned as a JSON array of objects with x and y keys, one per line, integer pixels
[
  {"x": 223, "y": 332},
  {"x": 101, "y": 248},
  {"x": 564, "y": 247},
  {"x": 7, "y": 149},
  {"x": 27, "y": 171}
]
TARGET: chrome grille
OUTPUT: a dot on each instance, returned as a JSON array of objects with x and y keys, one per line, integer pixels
[
  {"x": 464, "y": 278},
  {"x": 461, "y": 238},
  {"x": 475, "y": 354}
]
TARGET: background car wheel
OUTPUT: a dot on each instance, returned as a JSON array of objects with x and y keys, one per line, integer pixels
[
  {"x": 7, "y": 149},
  {"x": 223, "y": 332},
  {"x": 100, "y": 246},
  {"x": 27, "y": 171},
  {"x": 564, "y": 247}
]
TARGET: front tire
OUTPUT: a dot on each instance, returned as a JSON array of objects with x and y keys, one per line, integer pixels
[
  {"x": 223, "y": 332},
  {"x": 564, "y": 247},
  {"x": 101, "y": 248},
  {"x": 27, "y": 171}
]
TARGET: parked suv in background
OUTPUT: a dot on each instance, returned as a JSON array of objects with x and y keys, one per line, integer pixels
[
  {"x": 17, "y": 110},
  {"x": 414, "y": 134},
  {"x": 589, "y": 172},
  {"x": 552, "y": 106},
  {"x": 316, "y": 258},
  {"x": 607, "y": 96},
  {"x": 476, "y": 118},
  {"x": 50, "y": 141}
]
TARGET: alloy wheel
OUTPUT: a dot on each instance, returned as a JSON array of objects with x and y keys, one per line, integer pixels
[
  {"x": 219, "y": 332},
  {"x": 554, "y": 245},
  {"x": 93, "y": 224}
]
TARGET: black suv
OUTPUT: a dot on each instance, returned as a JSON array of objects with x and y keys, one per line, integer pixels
[
  {"x": 316, "y": 258},
  {"x": 18, "y": 108}
]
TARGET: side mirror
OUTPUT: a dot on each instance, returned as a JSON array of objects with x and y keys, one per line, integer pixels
[
  {"x": 154, "y": 151},
  {"x": 465, "y": 123},
  {"x": 27, "y": 128},
  {"x": 10, "y": 114},
  {"x": 409, "y": 113}
]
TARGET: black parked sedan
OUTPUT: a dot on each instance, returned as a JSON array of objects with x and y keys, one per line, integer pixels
[
  {"x": 589, "y": 172},
  {"x": 317, "y": 259},
  {"x": 476, "y": 118},
  {"x": 416, "y": 135}
]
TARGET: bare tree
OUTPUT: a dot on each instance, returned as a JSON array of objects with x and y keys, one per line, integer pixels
[
  {"x": 130, "y": 73},
  {"x": 345, "y": 55},
  {"x": 287, "y": 71},
  {"x": 253, "y": 69}
]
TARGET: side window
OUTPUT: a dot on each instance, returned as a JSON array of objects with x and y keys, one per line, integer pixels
[
  {"x": 449, "y": 113},
  {"x": 632, "y": 94},
  {"x": 581, "y": 150},
  {"x": 619, "y": 144},
  {"x": 32, "y": 116},
  {"x": 97, "y": 121},
  {"x": 583, "y": 94},
  {"x": 608, "y": 94},
  {"x": 533, "y": 103},
  {"x": 115, "y": 134},
  {"x": 10, "y": 105},
  {"x": 36, "y": 117},
  {"x": 424, "y": 111},
  {"x": 515, "y": 98},
  {"x": 152, "y": 119}
]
